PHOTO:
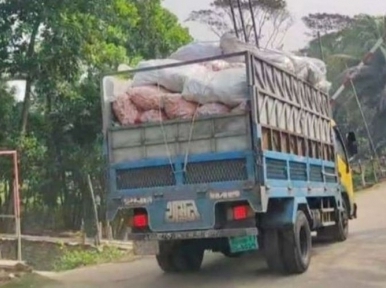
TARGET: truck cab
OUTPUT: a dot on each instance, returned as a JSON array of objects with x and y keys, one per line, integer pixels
[{"x": 345, "y": 149}]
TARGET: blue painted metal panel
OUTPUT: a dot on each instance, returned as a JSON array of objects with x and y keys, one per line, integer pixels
[
  {"x": 158, "y": 223},
  {"x": 182, "y": 191},
  {"x": 186, "y": 189},
  {"x": 180, "y": 159},
  {"x": 177, "y": 177},
  {"x": 291, "y": 176},
  {"x": 292, "y": 157},
  {"x": 205, "y": 205},
  {"x": 285, "y": 214}
]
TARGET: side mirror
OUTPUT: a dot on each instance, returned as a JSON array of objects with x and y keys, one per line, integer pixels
[{"x": 351, "y": 143}]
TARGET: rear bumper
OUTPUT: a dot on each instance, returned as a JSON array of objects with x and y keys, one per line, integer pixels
[{"x": 197, "y": 234}]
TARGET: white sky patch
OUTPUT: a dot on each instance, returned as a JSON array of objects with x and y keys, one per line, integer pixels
[{"x": 19, "y": 86}]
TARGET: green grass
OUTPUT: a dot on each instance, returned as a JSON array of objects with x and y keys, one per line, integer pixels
[
  {"x": 72, "y": 259},
  {"x": 32, "y": 281}
]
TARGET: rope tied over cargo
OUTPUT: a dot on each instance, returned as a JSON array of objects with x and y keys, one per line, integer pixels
[
  {"x": 190, "y": 136},
  {"x": 169, "y": 154}
]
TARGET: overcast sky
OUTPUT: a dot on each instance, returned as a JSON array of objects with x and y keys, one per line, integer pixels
[{"x": 295, "y": 38}]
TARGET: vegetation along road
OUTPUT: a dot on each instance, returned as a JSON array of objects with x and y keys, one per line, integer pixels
[{"x": 359, "y": 262}]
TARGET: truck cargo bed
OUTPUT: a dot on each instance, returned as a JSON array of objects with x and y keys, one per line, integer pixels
[{"x": 284, "y": 141}]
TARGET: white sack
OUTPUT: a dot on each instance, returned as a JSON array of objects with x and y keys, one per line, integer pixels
[
  {"x": 309, "y": 69},
  {"x": 218, "y": 65},
  {"x": 324, "y": 86},
  {"x": 279, "y": 59},
  {"x": 124, "y": 67},
  {"x": 172, "y": 79},
  {"x": 196, "y": 50},
  {"x": 227, "y": 86},
  {"x": 113, "y": 87},
  {"x": 317, "y": 70},
  {"x": 230, "y": 44}
]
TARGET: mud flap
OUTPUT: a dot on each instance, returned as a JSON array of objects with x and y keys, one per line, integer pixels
[{"x": 283, "y": 213}]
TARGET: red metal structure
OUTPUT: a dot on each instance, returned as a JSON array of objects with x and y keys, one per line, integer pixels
[{"x": 16, "y": 198}]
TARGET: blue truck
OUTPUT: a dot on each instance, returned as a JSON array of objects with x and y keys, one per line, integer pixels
[{"x": 263, "y": 179}]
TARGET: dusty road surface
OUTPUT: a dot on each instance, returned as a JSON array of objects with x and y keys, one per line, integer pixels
[{"x": 358, "y": 262}]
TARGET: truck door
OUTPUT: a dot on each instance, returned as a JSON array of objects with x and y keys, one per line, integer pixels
[{"x": 344, "y": 171}]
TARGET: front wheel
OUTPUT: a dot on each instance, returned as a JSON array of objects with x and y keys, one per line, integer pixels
[{"x": 338, "y": 232}]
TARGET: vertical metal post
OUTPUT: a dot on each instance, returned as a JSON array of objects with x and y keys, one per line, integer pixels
[
  {"x": 17, "y": 205},
  {"x": 254, "y": 23},
  {"x": 16, "y": 200},
  {"x": 242, "y": 21},
  {"x": 98, "y": 239},
  {"x": 234, "y": 18},
  {"x": 371, "y": 143}
]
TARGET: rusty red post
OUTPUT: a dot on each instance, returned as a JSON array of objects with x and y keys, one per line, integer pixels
[{"x": 16, "y": 198}]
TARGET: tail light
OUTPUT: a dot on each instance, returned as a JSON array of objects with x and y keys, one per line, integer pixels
[
  {"x": 140, "y": 220},
  {"x": 240, "y": 212}
]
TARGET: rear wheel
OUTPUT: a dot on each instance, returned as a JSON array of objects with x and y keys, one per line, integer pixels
[
  {"x": 297, "y": 245},
  {"x": 289, "y": 251},
  {"x": 180, "y": 257},
  {"x": 273, "y": 250},
  {"x": 165, "y": 257}
]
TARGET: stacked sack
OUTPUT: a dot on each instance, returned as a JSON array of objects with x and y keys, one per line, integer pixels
[
  {"x": 146, "y": 104},
  {"x": 207, "y": 88},
  {"x": 147, "y": 101}
]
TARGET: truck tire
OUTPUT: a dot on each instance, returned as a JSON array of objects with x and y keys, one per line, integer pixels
[
  {"x": 339, "y": 231},
  {"x": 273, "y": 250},
  {"x": 165, "y": 257},
  {"x": 180, "y": 257},
  {"x": 297, "y": 245}
]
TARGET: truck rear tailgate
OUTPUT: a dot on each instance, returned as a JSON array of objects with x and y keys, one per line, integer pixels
[{"x": 180, "y": 138}]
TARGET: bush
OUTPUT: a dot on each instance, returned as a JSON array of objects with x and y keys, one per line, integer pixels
[{"x": 72, "y": 259}]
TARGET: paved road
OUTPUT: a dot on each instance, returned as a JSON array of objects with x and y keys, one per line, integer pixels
[{"x": 358, "y": 262}]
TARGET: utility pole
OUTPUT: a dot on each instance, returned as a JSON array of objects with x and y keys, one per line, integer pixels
[
  {"x": 234, "y": 18},
  {"x": 254, "y": 23},
  {"x": 242, "y": 21}
]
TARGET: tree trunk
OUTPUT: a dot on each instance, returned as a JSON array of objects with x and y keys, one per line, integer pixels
[{"x": 29, "y": 80}]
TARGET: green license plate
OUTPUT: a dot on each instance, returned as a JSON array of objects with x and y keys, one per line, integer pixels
[{"x": 243, "y": 243}]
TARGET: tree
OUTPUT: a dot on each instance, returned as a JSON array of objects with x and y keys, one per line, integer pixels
[
  {"x": 344, "y": 43},
  {"x": 74, "y": 44},
  {"x": 326, "y": 23},
  {"x": 40, "y": 30},
  {"x": 157, "y": 31},
  {"x": 270, "y": 16}
]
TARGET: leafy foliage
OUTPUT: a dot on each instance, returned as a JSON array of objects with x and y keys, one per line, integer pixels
[
  {"x": 76, "y": 258},
  {"x": 268, "y": 15},
  {"x": 61, "y": 48},
  {"x": 326, "y": 23},
  {"x": 345, "y": 42}
]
